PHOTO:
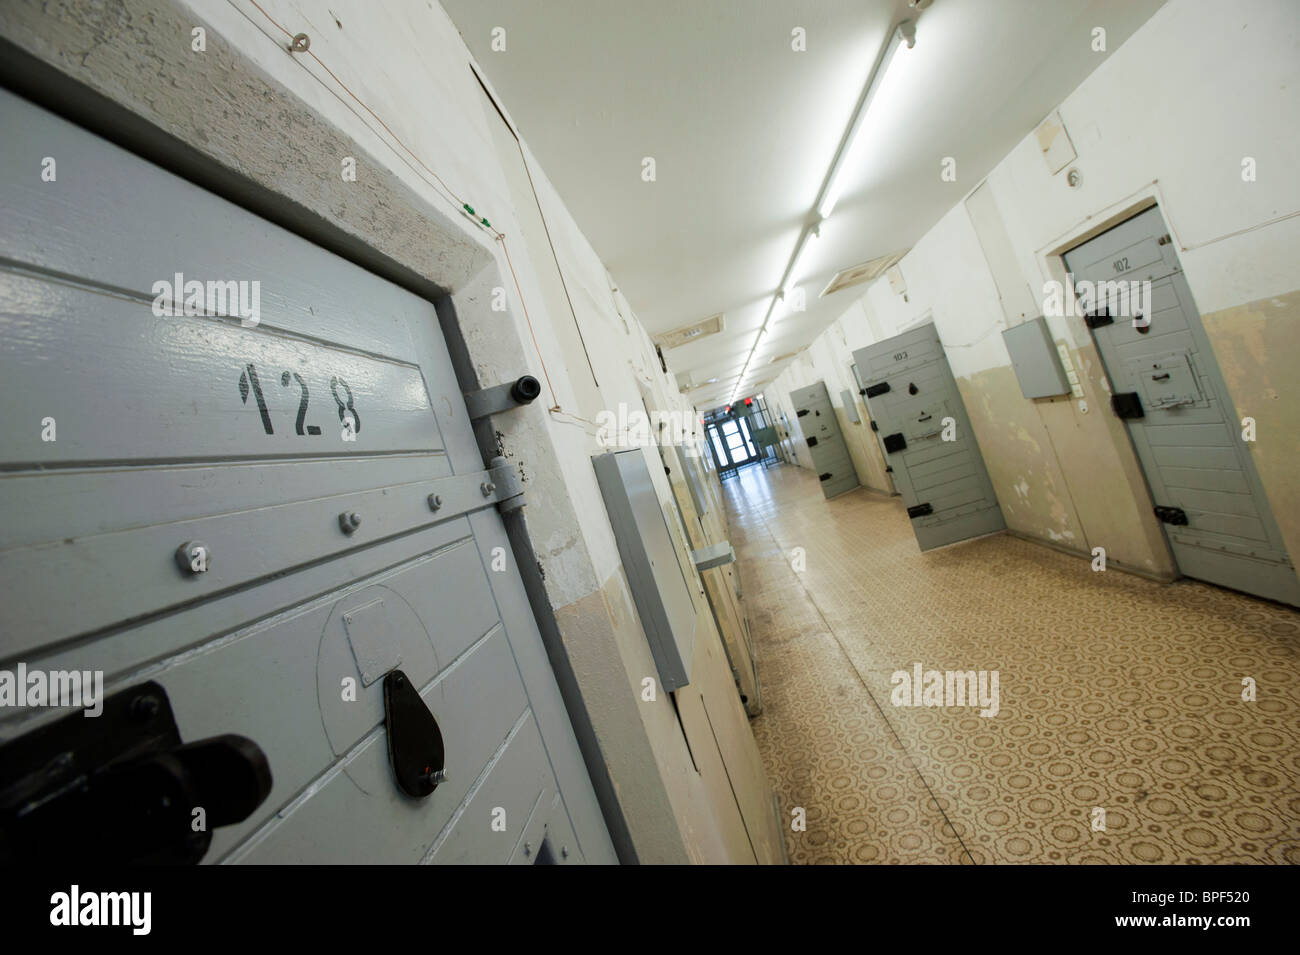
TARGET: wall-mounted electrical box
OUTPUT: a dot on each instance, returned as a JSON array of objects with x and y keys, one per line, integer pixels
[
  {"x": 850, "y": 406},
  {"x": 1035, "y": 359},
  {"x": 659, "y": 585}
]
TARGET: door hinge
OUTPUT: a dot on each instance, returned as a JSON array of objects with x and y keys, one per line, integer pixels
[
  {"x": 1126, "y": 404},
  {"x": 874, "y": 426},
  {"x": 1171, "y": 515},
  {"x": 504, "y": 481},
  {"x": 895, "y": 442},
  {"x": 919, "y": 510}
]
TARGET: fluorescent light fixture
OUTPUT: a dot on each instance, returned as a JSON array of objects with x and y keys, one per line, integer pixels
[
  {"x": 904, "y": 33},
  {"x": 805, "y": 242}
]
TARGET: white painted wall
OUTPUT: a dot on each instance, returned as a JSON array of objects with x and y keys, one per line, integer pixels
[
  {"x": 1169, "y": 116},
  {"x": 425, "y": 92}
]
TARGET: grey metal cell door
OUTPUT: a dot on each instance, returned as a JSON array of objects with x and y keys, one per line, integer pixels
[
  {"x": 927, "y": 438},
  {"x": 1168, "y": 388},
  {"x": 305, "y": 447},
  {"x": 821, "y": 431}
]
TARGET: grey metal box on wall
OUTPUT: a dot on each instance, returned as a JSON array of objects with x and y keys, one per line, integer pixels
[
  {"x": 1034, "y": 357},
  {"x": 659, "y": 585}
]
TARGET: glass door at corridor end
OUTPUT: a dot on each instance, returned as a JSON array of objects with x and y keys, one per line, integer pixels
[{"x": 732, "y": 444}]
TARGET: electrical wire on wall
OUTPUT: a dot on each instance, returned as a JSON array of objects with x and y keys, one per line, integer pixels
[{"x": 300, "y": 44}]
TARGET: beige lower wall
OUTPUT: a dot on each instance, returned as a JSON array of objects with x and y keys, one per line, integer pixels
[
  {"x": 1063, "y": 475},
  {"x": 1258, "y": 349}
]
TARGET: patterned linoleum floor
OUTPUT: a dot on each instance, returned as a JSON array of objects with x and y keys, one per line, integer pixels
[{"x": 1115, "y": 693}]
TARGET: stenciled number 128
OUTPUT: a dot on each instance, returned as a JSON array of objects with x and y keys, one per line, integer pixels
[{"x": 348, "y": 415}]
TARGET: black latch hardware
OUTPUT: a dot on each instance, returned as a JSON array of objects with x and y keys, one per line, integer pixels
[
  {"x": 801, "y": 412},
  {"x": 919, "y": 510},
  {"x": 895, "y": 442},
  {"x": 911, "y": 388},
  {"x": 414, "y": 738},
  {"x": 1098, "y": 317},
  {"x": 121, "y": 787},
  {"x": 1172, "y": 515},
  {"x": 812, "y": 442},
  {"x": 824, "y": 477},
  {"x": 872, "y": 390},
  {"x": 1126, "y": 404}
]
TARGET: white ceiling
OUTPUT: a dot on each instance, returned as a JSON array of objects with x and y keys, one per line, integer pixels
[{"x": 743, "y": 131}]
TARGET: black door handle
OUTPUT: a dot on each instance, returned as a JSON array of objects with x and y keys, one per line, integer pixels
[{"x": 122, "y": 788}]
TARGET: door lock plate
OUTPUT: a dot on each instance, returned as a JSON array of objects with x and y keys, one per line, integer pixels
[
  {"x": 1127, "y": 404},
  {"x": 1171, "y": 515},
  {"x": 895, "y": 442}
]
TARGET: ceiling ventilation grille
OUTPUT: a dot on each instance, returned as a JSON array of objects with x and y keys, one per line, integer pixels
[
  {"x": 858, "y": 274},
  {"x": 689, "y": 333},
  {"x": 789, "y": 354}
]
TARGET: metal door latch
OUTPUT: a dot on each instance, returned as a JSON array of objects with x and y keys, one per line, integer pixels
[
  {"x": 1171, "y": 515},
  {"x": 415, "y": 747},
  {"x": 122, "y": 788},
  {"x": 1098, "y": 317},
  {"x": 1127, "y": 404}
]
